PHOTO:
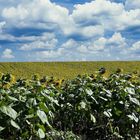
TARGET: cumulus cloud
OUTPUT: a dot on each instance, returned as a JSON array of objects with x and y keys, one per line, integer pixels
[
  {"x": 109, "y": 11},
  {"x": 12, "y": 13},
  {"x": 88, "y": 31},
  {"x": 89, "y": 50},
  {"x": 82, "y": 49},
  {"x": 83, "y": 12},
  {"x": 7, "y": 37},
  {"x": 98, "y": 45},
  {"x": 3, "y": 35},
  {"x": 46, "y": 41},
  {"x": 116, "y": 42},
  {"x": 52, "y": 54},
  {"x": 135, "y": 46},
  {"x": 132, "y": 4},
  {"x": 25, "y": 14},
  {"x": 91, "y": 31},
  {"x": 2, "y": 24},
  {"x": 106, "y": 15},
  {"x": 71, "y": 43},
  {"x": 83, "y": 20},
  {"x": 111, "y": 15},
  {"x": 7, "y": 54}
]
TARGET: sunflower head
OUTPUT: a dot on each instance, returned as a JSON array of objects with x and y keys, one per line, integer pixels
[
  {"x": 35, "y": 77},
  {"x": 8, "y": 78},
  {"x": 119, "y": 70},
  {"x": 58, "y": 82},
  {"x": 102, "y": 70},
  {"x": 135, "y": 72},
  {"x": 92, "y": 76},
  {"x": 44, "y": 79}
]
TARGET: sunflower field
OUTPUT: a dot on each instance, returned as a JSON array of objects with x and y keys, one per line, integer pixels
[{"x": 87, "y": 107}]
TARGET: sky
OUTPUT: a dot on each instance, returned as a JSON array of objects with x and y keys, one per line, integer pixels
[{"x": 69, "y": 30}]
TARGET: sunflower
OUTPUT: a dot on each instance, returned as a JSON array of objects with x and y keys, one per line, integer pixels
[
  {"x": 8, "y": 79},
  {"x": 102, "y": 70},
  {"x": 35, "y": 77},
  {"x": 119, "y": 70},
  {"x": 58, "y": 82}
]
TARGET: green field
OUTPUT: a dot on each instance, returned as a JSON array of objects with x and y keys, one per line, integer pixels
[
  {"x": 86, "y": 107},
  {"x": 64, "y": 69}
]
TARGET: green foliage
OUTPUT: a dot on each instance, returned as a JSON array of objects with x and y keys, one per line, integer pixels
[
  {"x": 101, "y": 108},
  {"x": 87, "y": 107}
]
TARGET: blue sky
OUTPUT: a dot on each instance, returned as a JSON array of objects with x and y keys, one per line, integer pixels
[{"x": 69, "y": 30}]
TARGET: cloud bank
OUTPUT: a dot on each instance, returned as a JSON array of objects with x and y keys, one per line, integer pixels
[{"x": 44, "y": 30}]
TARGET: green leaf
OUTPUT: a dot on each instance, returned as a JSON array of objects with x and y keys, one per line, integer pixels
[
  {"x": 12, "y": 98},
  {"x": 94, "y": 100},
  {"x": 1, "y": 128},
  {"x": 83, "y": 105},
  {"x": 51, "y": 99},
  {"x": 22, "y": 98},
  {"x": 107, "y": 113},
  {"x": 133, "y": 117},
  {"x": 9, "y": 111},
  {"x": 41, "y": 133},
  {"x": 89, "y": 92},
  {"x": 130, "y": 90},
  {"x": 108, "y": 93},
  {"x": 134, "y": 100},
  {"x": 93, "y": 119},
  {"x": 41, "y": 127},
  {"x": 117, "y": 111},
  {"x": 44, "y": 107},
  {"x": 118, "y": 135},
  {"x": 51, "y": 114},
  {"x": 14, "y": 124},
  {"x": 29, "y": 116},
  {"x": 43, "y": 117},
  {"x": 103, "y": 98}
]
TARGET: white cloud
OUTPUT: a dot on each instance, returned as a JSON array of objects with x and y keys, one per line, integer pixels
[
  {"x": 82, "y": 49},
  {"x": 3, "y": 35},
  {"x": 98, "y": 45},
  {"x": 132, "y": 4},
  {"x": 89, "y": 19},
  {"x": 24, "y": 15},
  {"x": 135, "y": 46},
  {"x": 70, "y": 44},
  {"x": 89, "y": 11},
  {"x": 52, "y": 54},
  {"x": 2, "y": 24},
  {"x": 7, "y": 54},
  {"x": 101, "y": 48},
  {"x": 117, "y": 40},
  {"x": 46, "y": 41},
  {"x": 97, "y": 12},
  {"x": 46, "y": 36},
  {"x": 7, "y": 37},
  {"x": 87, "y": 25},
  {"x": 91, "y": 31},
  {"x": 12, "y": 13},
  {"x": 37, "y": 11},
  {"x": 110, "y": 15}
]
